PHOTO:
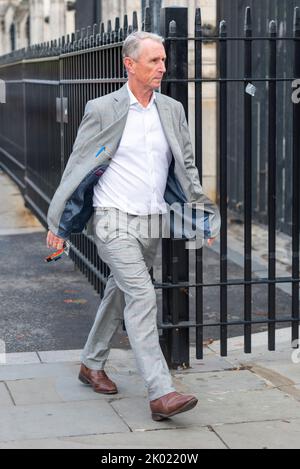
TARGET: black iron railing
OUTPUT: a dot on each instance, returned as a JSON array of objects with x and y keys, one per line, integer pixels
[{"x": 47, "y": 87}]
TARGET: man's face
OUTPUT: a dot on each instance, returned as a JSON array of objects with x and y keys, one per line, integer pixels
[{"x": 149, "y": 68}]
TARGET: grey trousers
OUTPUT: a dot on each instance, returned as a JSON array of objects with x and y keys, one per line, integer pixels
[{"x": 129, "y": 294}]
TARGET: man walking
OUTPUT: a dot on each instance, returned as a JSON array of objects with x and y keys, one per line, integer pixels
[{"x": 131, "y": 159}]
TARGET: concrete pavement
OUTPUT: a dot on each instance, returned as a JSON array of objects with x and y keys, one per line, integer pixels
[{"x": 245, "y": 401}]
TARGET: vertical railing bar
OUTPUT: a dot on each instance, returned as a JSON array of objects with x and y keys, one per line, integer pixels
[
  {"x": 199, "y": 162},
  {"x": 272, "y": 171},
  {"x": 296, "y": 179},
  {"x": 248, "y": 182},
  {"x": 223, "y": 186}
]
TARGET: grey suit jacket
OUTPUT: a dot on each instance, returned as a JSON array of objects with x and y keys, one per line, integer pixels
[{"x": 97, "y": 140}]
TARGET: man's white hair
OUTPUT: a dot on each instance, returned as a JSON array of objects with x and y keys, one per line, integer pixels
[{"x": 132, "y": 44}]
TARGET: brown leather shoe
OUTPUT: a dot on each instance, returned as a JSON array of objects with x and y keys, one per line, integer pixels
[
  {"x": 171, "y": 404},
  {"x": 99, "y": 380}
]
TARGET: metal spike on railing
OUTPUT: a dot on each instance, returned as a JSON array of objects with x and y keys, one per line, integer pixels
[
  {"x": 148, "y": 22},
  {"x": 273, "y": 27},
  {"x": 198, "y": 22},
  {"x": 76, "y": 39},
  {"x": 223, "y": 28},
  {"x": 71, "y": 45},
  {"x": 87, "y": 37},
  {"x": 172, "y": 28},
  {"x": 81, "y": 39},
  {"x": 109, "y": 27},
  {"x": 248, "y": 20},
  {"x": 135, "y": 25},
  {"x": 125, "y": 23},
  {"x": 130, "y": 29},
  {"x": 101, "y": 34},
  {"x": 296, "y": 19},
  {"x": 117, "y": 24}
]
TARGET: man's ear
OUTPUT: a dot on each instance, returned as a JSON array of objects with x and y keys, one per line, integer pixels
[{"x": 128, "y": 64}]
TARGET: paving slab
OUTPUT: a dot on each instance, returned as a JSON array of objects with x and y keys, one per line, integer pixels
[
  {"x": 136, "y": 413},
  {"x": 47, "y": 443},
  {"x": 34, "y": 391},
  {"x": 232, "y": 407},
  {"x": 5, "y": 398},
  {"x": 209, "y": 363},
  {"x": 222, "y": 382},
  {"x": 25, "y": 358},
  {"x": 262, "y": 435},
  {"x": 68, "y": 389},
  {"x": 196, "y": 438},
  {"x": 238, "y": 407},
  {"x": 71, "y": 390},
  {"x": 57, "y": 420},
  {"x": 238, "y": 359},
  {"x": 16, "y": 372},
  {"x": 60, "y": 356},
  {"x": 287, "y": 371}
]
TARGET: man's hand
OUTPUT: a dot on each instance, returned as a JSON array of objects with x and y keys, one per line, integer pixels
[
  {"x": 54, "y": 241},
  {"x": 211, "y": 241}
]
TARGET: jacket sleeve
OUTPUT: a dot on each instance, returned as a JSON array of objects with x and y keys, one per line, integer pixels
[
  {"x": 89, "y": 127},
  {"x": 193, "y": 174},
  {"x": 188, "y": 154}
]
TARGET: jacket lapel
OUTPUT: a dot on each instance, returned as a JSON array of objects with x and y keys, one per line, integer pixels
[
  {"x": 121, "y": 102},
  {"x": 166, "y": 119}
]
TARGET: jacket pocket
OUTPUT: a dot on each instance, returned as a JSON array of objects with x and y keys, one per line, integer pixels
[{"x": 101, "y": 224}]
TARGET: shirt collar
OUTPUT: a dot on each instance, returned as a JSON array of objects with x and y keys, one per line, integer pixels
[{"x": 133, "y": 99}]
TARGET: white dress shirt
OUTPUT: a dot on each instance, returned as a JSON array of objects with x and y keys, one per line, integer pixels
[{"x": 136, "y": 178}]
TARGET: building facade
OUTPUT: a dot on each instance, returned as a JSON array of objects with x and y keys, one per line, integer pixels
[{"x": 26, "y": 22}]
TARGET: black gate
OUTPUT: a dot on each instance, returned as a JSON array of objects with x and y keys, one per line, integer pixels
[
  {"x": 48, "y": 86},
  {"x": 263, "y": 11}
]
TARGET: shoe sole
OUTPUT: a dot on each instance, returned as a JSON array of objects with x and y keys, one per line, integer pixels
[
  {"x": 188, "y": 406},
  {"x": 84, "y": 380}
]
